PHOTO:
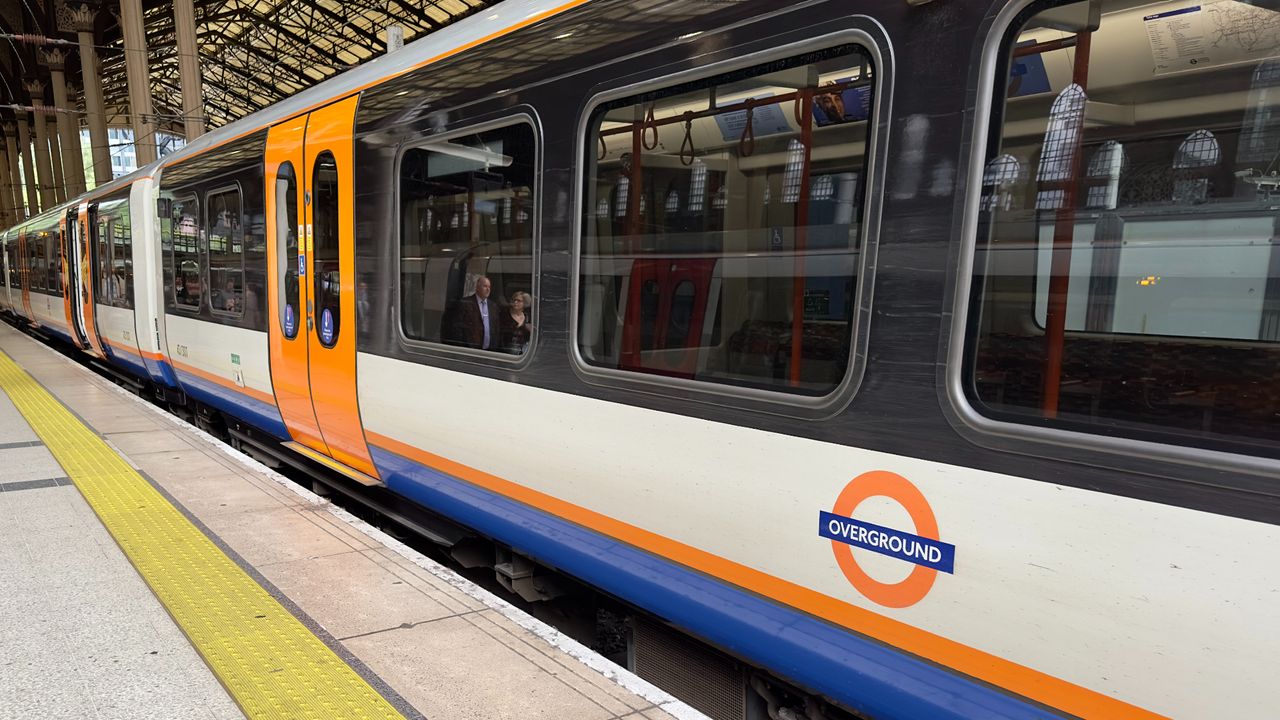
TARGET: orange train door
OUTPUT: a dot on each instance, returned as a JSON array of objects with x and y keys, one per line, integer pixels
[
  {"x": 24, "y": 275},
  {"x": 311, "y": 298},
  {"x": 71, "y": 307},
  {"x": 77, "y": 281},
  {"x": 87, "y": 261}
]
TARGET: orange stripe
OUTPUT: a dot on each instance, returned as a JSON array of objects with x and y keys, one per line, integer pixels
[
  {"x": 121, "y": 346},
  {"x": 246, "y": 390},
  {"x": 442, "y": 56},
  {"x": 134, "y": 351},
  {"x": 1022, "y": 680}
]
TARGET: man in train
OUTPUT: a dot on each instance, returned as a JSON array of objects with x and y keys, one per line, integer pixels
[{"x": 478, "y": 317}]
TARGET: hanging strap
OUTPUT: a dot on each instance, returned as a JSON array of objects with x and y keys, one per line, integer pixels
[
  {"x": 686, "y": 147},
  {"x": 644, "y": 134}
]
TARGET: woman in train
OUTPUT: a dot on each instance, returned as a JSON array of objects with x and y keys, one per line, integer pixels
[{"x": 514, "y": 330}]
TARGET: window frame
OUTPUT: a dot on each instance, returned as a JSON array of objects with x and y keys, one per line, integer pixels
[
  {"x": 173, "y": 268},
  {"x": 523, "y": 115},
  {"x": 1033, "y": 436},
  {"x": 869, "y": 36},
  {"x": 205, "y": 250}
]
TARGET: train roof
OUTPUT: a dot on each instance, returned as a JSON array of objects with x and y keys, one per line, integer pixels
[{"x": 501, "y": 19}]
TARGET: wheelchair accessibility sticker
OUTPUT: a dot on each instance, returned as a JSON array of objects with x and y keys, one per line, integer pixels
[{"x": 923, "y": 548}]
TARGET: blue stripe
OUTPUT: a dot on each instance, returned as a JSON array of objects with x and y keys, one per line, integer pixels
[
  {"x": 862, "y": 674},
  {"x": 59, "y": 332},
  {"x": 1171, "y": 13},
  {"x": 239, "y": 405},
  {"x": 126, "y": 361},
  {"x": 161, "y": 372}
]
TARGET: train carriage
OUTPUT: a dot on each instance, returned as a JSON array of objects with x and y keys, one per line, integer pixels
[{"x": 921, "y": 358}]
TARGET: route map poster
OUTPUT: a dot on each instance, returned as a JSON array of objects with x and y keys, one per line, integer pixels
[{"x": 1211, "y": 34}]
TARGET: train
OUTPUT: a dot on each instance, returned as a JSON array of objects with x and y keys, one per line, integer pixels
[{"x": 893, "y": 359}]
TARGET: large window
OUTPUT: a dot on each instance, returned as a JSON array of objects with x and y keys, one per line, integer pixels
[
  {"x": 722, "y": 226},
  {"x": 36, "y": 275},
  {"x": 54, "y": 265},
  {"x": 1127, "y": 278},
  {"x": 226, "y": 251},
  {"x": 11, "y": 257},
  {"x": 466, "y": 240},
  {"x": 115, "y": 255},
  {"x": 184, "y": 232}
]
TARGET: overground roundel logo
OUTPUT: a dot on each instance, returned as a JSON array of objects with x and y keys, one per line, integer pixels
[{"x": 923, "y": 548}]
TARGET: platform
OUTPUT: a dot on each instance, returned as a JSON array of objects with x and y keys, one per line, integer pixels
[{"x": 151, "y": 571}]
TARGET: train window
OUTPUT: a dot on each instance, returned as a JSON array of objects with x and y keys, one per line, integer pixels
[
  {"x": 466, "y": 233},
  {"x": 183, "y": 233},
  {"x": 287, "y": 248},
  {"x": 721, "y": 229},
  {"x": 226, "y": 252},
  {"x": 105, "y": 286},
  {"x": 1127, "y": 272},
  {"x": 120, "y": 291},
  {"x": 15, "y": 270},
  {"x": 326, "y": 267},
  {"x": 53, "y": 262},
  {"x": 115, "y": 255},
  {"x": 35, "y": 261}
]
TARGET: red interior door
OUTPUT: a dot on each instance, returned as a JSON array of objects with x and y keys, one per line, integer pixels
[{"x": 666, "y": 312}]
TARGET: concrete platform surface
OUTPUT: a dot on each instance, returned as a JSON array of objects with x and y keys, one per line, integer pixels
[{"x": 81, "y": 635}]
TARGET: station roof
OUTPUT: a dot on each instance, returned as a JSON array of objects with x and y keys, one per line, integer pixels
[{"x": 253, "y": 53}]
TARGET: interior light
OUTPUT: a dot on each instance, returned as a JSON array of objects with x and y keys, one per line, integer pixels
[{"x": 562, "y": 36}]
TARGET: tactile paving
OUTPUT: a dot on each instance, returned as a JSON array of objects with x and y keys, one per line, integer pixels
[{"x": 270, "y": 663}]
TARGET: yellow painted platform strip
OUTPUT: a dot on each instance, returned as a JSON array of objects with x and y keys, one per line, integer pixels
[{"x": 272, "y": 665}]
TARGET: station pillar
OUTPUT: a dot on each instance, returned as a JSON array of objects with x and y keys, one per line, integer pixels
[
  {"x": 95, "y": 108},
  {"x": 15, "y": 176},
  {"x": 44, "y": 170},
  {"x": 7, "y": 218},
  {"x": 184, "y": 23},
  {"x": 28, "y": 168},
  {"x": 60, "y": 188},
  {"x": 141, "y": 114},
  {"x": 68, "y": 123}
]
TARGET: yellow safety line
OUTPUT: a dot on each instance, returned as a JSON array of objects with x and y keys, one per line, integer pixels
[{"x": 272, "y": 665}]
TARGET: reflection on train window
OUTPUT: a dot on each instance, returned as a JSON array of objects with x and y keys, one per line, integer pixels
[
  {"x": 466, "y": 214},
  {"x": 1127, "y": 276},
  {"x": 35, "y": 261},
  {"x": 104, "y": 278},
  {"x": 184, "y": 231},
  {"x": 114, "y": 282},
  {"x": 122, "y": 257},
  {"x": 721, "y": 233},
  {"x": 53, "y": 264},
  {"x": 15, "y": 268},
  {"x": 286, "y": 204},
  {"x": 226, "y": 252},
  {"x": 325, "y": 263}
]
